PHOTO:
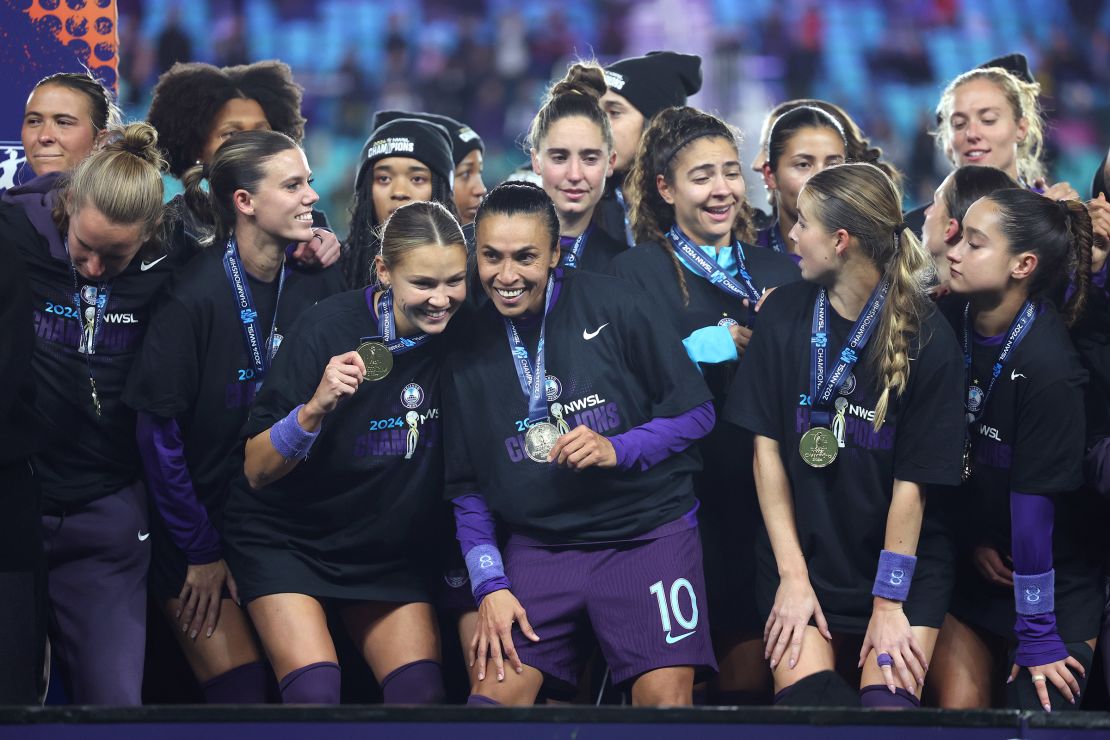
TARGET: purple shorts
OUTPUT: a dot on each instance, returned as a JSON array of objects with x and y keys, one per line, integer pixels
[{"x": 644, "y": 601}]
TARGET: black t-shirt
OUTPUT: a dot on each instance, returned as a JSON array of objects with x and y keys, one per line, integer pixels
[
  {"x": 1030, "y": 436},
  {"x": 194, "y": 366},
  {"x": 608, "y": 214},
  {"x": 1091, "y": 335},
  {"x": 651, "y": 267},
  {"x": 841, "y": 511},
  {"x": 612, "y": 368},
  {"x": 355, "y": 508},
  {"x": 18, "y": 426},
  {"x": 85, "y": 456},
  {"x": 598, "y": 251}
]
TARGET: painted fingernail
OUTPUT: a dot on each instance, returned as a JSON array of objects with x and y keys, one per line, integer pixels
[
  {"x": 193, "y": 635},
  {"x": 1048, "y": 707},
  {"x": 500, "y": 676},
  {"x": 773, "y": 664},
  {"x": 792, "y": 661},
  {"x": 519, "y": 671},
  {"x": 1010, "y": 679},
  {"x": 891, "y": 687},
  {"x": 209, "y": 633}
]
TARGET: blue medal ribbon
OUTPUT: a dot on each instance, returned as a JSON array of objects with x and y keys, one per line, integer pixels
[
  {"x": 1017, "y": 331},
  {"x": 742, "y": 288},
  {"x": 387, "y": 325},
  {"x": 259, "y": 351},
  {"x": 569, "y": 258},
  {"x": 629, "y": 237},
  {"x": 532, "y": 379},
  {"x": 825, "y": 381}
]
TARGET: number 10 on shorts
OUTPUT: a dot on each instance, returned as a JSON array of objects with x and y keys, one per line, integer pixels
[{"x": 674, "y": 608}]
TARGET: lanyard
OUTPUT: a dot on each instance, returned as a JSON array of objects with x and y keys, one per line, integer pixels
[
  {"x": 1017, "y": 331},
  {"x": 697, "y": 261},
  {"x": 98, "y": 299},
  {"x": 258, "y": 350},
  {"x": 532, "y": 379},
  {"x": 824, "y": 381},
  {"x": 387, "y": 324},
  {"x": 624, "y": 210},
  {"x": 570, "y": 257}
]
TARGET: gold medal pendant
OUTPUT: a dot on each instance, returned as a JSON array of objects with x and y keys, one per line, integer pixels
[
  {"x": 377, "y": 358},
  {"x": 818, "y": 447},
  {"x": 539, "y": 440}
]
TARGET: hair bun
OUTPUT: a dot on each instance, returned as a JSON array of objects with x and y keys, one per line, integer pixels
[{"x": 583, "y": 78}]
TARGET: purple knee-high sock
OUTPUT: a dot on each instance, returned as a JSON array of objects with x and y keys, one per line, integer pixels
[
  {"x": 315, "y": 683},
  {"x": 481, "y": 701},
  {"x": 419, "y": 682},
  {"x": 876, "y": 696},
  {"x": 244, "y": 684}
]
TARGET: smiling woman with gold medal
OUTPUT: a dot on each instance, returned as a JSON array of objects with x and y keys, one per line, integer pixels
[{"x": 852, "y": 388}]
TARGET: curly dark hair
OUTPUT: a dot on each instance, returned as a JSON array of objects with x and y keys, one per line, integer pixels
[
  {"x": 189, "y": 96},
  {"x": 668, "y": 133}
]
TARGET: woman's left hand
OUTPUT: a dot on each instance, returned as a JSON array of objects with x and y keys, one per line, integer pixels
[
  {"x": 1058, "y": 674},
  {"x": 889, "y": 632},
  {"x": 581, "y": 448},
  {"x": 322, "y": 250}
]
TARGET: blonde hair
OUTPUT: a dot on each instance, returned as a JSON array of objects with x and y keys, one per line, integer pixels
[
  {"x": 1022, "y": 97},
  {"x": 861, "y": 199},
  {"x": 122, "y": 179}
]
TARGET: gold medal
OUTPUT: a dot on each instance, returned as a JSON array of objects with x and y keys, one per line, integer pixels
[
  {"x": 818, "y": 447},
  {"x": 377, "y": 358},
  {"x": 539, "y": 440}
]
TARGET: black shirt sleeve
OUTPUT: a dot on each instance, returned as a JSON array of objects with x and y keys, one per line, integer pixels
[
  {"x": 292, "y": 379},
  {"x": 1049, "y": 438}
]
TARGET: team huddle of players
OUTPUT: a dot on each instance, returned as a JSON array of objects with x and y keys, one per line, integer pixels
[{"x": 609, "y": 417}]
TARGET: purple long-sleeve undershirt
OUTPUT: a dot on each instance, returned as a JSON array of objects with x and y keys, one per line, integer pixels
[
  {"x": 474, "y": 525},
  {"x": 163, "y": 455},
  {"x": 647, "y": 445},
  {"x": 1031, "y": 520}
]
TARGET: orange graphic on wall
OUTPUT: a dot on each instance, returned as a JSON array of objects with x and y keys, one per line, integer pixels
[{"x": 87, "y": 27}]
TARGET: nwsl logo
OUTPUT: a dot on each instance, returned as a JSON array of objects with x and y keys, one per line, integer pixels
[
  {"x": 552, "y": 388},
  {"x": 247, "y": 316}
]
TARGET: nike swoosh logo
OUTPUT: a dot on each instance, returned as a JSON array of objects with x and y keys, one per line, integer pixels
[
  {"x": 143, "y": 537},
  {"x": 672, "y": 640},
  {"x": 1014, "y": 375},
  {"x": 588, "y": 335},
  {"x": 147, "y": 265}
]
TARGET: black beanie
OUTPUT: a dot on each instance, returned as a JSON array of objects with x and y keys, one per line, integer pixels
[
  {"x": 409, "y": 137},
  {"x": 657, "y": 80},
  {"x": 1016, "y": 64},
  {"x": 464, "y": 139}
]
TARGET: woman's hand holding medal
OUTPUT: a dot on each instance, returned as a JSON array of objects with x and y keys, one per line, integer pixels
[
  {"x": 581, "y": 448},
  {"x": 342, "y": 377}
]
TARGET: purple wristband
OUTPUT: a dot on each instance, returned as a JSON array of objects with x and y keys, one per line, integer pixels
[
  {"x": 1035, "y": 595},
  {"x": 895, "y": 573},
  {"x": 290, "y": 439},
  {"x": 483, "y": 563}
]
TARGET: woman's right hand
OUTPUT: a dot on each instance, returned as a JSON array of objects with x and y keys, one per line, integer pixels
[
  {"x": 493, "y": 635},
  {"x": 988, "y": 561},
  {"x": 201, "y": 597},
  {"x": 795, "y": 603},
  {"x": 341, "y": 378}
]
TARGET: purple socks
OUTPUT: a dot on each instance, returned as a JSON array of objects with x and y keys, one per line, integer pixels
[
  {"x": 316, "y": 683},
  {"x": 876, "y": 696},
  {"x": 419, "y": 682},
  {"x": 245, "y": 684},
  {"x": 477, "y": 700}
]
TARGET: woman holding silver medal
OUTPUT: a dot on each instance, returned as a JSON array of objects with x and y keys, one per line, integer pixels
[
  {"x": 599, "y": 510},
  {"x": 851, "y": 424},
  {"x": 208, "y": 349},
  {"x": 344, "y": 471}
]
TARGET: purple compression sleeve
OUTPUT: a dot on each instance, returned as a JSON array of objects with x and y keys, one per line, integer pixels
[
  {"x": 171, "y": 487},
  {"x": 647, "y": 445},
  {"x": 1031, "y": 520},
  {"x": 474, "y": 527}
]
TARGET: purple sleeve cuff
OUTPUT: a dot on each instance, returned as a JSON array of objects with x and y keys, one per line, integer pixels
[
  {"x": 171, "y": 487},
  {"x": 1038, "y": 641},
  {"x": 647, "y": 445}
]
